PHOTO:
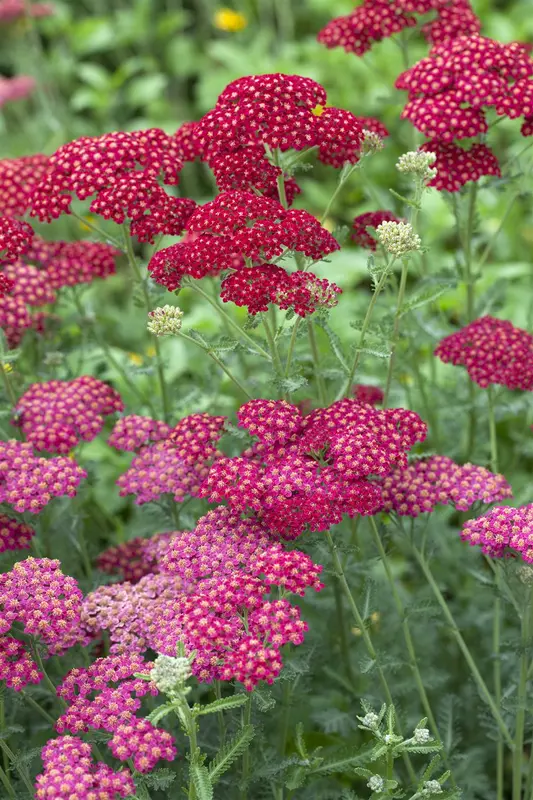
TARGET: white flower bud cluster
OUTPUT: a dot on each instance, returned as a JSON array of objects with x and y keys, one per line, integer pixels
[
  {"x": 421, "y": 735},
  {"x": 419, "y": 164},
  {"x": 165, "y": 320},
  {"x": 167, "y": 672},
  {"x": 398, "y": 238},
  {"x": 376, "y": 783},
  {"x": 370, "y": 720},
  {"x": 372, "y": 142},
  {"x": 431, "y": 787}
]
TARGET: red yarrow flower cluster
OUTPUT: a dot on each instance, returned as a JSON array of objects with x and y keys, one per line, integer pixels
[
  {"x": 28, "y": 483},
  {"x": 375, "y": 20},
  {"x": 176, "y": 464},
  {"x": 365, "y": 393},
  {"x": 15, "y": 237},
  {"x": 14, "y": 535},
  {"x": 18, "y": 178},
  {"x": 105, "y": 696},
  {"x": 493, "y": 351},
  {"x": 370, "y": 219},
  {"x": 56, "y": 415},
  {"x": 502, "y": 529},
  {"x": 438, "y": 480},
  {"x": 71, "y": 774},
  {"x": 308, "y": 471},
  {"x": 136, "y": 558},
  {"x": 457, "y": 165}
]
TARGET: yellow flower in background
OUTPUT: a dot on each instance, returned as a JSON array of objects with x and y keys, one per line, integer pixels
[
  {"x": 89, "y": 218},
  {"x": 150, "y": 351},
  {"x": 8, "y": 368},
  {"x": 374, "y": 619},
  {"x": 226, "y": 19},
  {"x": 136, "y": 358}
]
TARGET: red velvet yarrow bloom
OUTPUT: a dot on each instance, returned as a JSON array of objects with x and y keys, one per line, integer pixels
[
  {"x": 493, "y": 351},
  {"x": 94, "y": 165},
  {"x": 16, "y": 88},
  {"x": 256, "y": 287},
  {"x": 73, "y": 263},
  {"x": 56, "y": 415},
  {"x": 15, "y": 318},
  {"x": 501, "y": 529},
  {"x": 14, "y": 535},
  {"x": 307, "y": 471},
  {"x": 28, "y": 483},
  {"x": 136, "y": 558},
  {"x": 185, "y": 140},
  {"x": 438, "y": 480},
  {"x": 15, "y": 237},
  {"x": 248, "y": 168},
  {"x": 370, "y": 219},
  {"x": 6, "y": 285},
  {"x": 234, "y": 226},
  {"x": 176, "y": 464},
  {"x": 285, "y": 112},
  {"x": 36, "y": 594},
  {"x": 456, "y": 166},
  {"x": 18, "y": 178},
  {"x": 70, "y": 774},
  {"x": 118, "y": 697},
  {"x": 365, "y": 393},
  {"x": 17, "y": 667},
  {"x": 30, "y": 284},
  {"x": 454, "y": 19},
  {"x": 14, "y": 9}
]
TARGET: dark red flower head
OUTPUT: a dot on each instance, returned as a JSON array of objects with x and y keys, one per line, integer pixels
[
  {"x": 370, "y": 219},
  {"x": 18, "y": 179},
  {"x": 456, "y": 165},
  {"x": 15, "y": 237}
]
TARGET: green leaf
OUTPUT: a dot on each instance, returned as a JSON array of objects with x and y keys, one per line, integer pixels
[
  {"x": 300, "y": 742},
  {"x": 342, "y": 760},
  {"x": 143, "y": 90},
  {"x": 223, "y": 704},
  {"x": 296, "y": 779},
  {"x": 290, "y": 384},
  {"x": 8, "y": 731},
  {"x": 202, "y": 782},
  {"x": 160, "y": 779},
  {"x": 335, "y": 344},
  {"x": 427, "y": 295},
  {"x": 263, "y": 699},
  {"x": 231, "y": 751}
]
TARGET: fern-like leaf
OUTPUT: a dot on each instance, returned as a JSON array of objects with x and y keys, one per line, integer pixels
[
  {"x": 231, "y": 751},
  {"x": 202, "y": 782}
]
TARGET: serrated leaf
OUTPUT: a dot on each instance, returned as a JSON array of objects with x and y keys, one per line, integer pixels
[
  {"x": 290, "y": 384},
  {"x": 202, "y": 782},
  {"x": 223, "y": 704},
  {"x": 300, "y": 742},
  {"x": 160, "y": 779},
  {"x": 263, "y": 699},
  {"x": 343, "y": 760},
  {"x": 375, "y": 351},
  {"x": 336, "y": 346},
  {"x": 10, "y": 730},
  {"x": 296, "y": 779},
  {"x": 427, "y": 295},
  {"x": 422, "y": 748},
  {"x": 231, "y": 751}
]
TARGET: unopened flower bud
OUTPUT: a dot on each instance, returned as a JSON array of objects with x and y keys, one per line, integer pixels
[
  {"x": 398, "y": 238},
  {"x": 376, "y": 783},
  {"x": 168, "y": 672},
  {"x": 419, "y": 164},
  {"x": 370, "y": 720},
  {"x": 432, "y": 787},
  {"x": 165, "y": 320},
  {"x": 372, "y": 142},
  {"x": 54, "y": 358},
  {"x": 421, "y": 735},
  {"x": 525, "y": 573}
]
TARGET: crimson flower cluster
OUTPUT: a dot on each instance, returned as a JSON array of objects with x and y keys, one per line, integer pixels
[
  {"x": 241, "y": 232},
  {"x": 211, "y": 594},
  {"x": 14, "y": 9},
  {"x": 47, "y": 604},
  {"x": 438, "y": 480},
  {"x": 307, "y": 471},
  {"x": 15, "y": 237},
  {"x": 370, "y": 219},
  {"x": 365, "y": 393},
  {"x": 136, "y": 558},
  {"x": 14, "y": 535},
  {"x": 56, "y": 415},
  {"x": 70, "y": 774},
  {"x": 502, "y": 529},
  {"x": 375, "y": 20},
  {"x": 493, "y": 351},
  {"x": 121, "y": 171},
  {"x": 18, "y": 179},
  {"x": 105, "y": 696},
  {"x": 167, "y": 461}
]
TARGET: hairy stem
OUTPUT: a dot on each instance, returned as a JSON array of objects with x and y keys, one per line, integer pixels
[
  {"x": 22, "y": 772},
  {"x": 322, "y": 396},
  {"x": 396, "y": 331},
  {"x": 518, "y": 754},
  {"x": 245, "y": 720},
  {"x": 218, "y": 362}
]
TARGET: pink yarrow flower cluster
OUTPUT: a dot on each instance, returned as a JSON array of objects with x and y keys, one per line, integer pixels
[
  {"x": 493, "y": 351},
  {"x": 14, "y": 535},
  {"x": 14, "y": 9},
  {"x": 501, "y": 530},
  {"x": 56, "y": 415},
  {"x": 136, "y": 558},
  {"x": 71, "y": 774},
  {"x": 438, "y": 480},
  {"x": 174, "y": 461},
  {"x": 16, "y": 88},
  {"x": 105, "y": 696},
  {"x": 28, "y": 483},
  {"x": 308, "y": 471},
  {"x": 241, "y": 232}
]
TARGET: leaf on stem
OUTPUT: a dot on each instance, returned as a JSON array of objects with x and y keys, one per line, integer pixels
[{"x": 232, "y": 750}]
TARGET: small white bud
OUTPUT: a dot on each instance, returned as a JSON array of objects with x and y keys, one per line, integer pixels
[
  {"x": 370, "y": 720},
  {"x": 167, "y": 672},
  {"x": 387, "y": 738},
  {"x": 432, "y": 787},
  {"x": 376, "y": 783},
  {"x": 165, "y": 320},
  {"x": 398, "y": 238},
  {"x": 417, "y": 163},
  {"x": 421, "y": 735},
  {"x": 372, "y": 142}
]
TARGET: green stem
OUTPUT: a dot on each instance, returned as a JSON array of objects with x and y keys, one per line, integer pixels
[
  {"x": 482, "y": 686},
  {"x": 407, "y": 634},
  {"x": 246, "y": 719},
  {"x": 518, "y": 754},
  {"x": 2, "y": 726},
  {"x": 366, "y": 322},
  {"x": 37, "y": 706},
  {"x": 220, "y": 715},
  {"x": 5, "y": 780},
  {"x": 396, "y": 330},
  {"x": 256, "y": 347},
  {"x": 469, "y": 279},
  {"x": 341, "y": 625},
  {"x": 344, "y": 177},
  {"x": 292, "y": 345},
  {"x": 159, "y": 361},
  {"x": 490, "y": 244},
  {"x": 340, "y": 574},
  {"x": 218, "y": 362},
  {"x": 492, "y": 431},
  {"x": 23, "y": 774},
  {"x": 47, "y": 680},
  {"x": 101, "y": 233},
  {"x": 7, "y": 384},
  {"x": 322, "y": 394}
]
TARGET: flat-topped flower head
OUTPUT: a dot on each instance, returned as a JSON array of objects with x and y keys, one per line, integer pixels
[
  {"x": 18, "y": 178},
  {"x": 136, "y": 558},
  {"x": 132, "y": 431},
  {"x": 28, "y": 483},
  {"x": 165, "y": 320},
  {"x": 71, "y": 774},
  {"x": 15, "y": 237},
  {"x": 455, "y": 166},
  {"x": 370, "y": 219},
  {"x": 17, "y": 667},
  {"x": 502, "y": 529},
  {"x": 398, "y": 238},
  {"x": 14, "y": 535},
  {"x": 56, "y": 415},
  {"x": 493, "y": 351},
  {"x": 438, "y": 480}
]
